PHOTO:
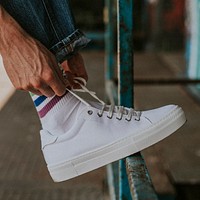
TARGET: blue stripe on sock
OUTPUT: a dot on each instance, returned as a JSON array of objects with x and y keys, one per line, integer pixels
[{"x": 39, "y": 100}]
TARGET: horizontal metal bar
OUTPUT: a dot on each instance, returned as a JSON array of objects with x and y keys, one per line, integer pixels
[
  {"x": 166, "y": 81},
  {"x": 140, "y": 182}
]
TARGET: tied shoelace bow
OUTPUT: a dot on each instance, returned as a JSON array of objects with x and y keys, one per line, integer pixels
[{"x": 120, "y": 110}]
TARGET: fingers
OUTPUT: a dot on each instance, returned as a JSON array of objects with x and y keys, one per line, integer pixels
[
  {"x": 59, "y": 71},
  {"x": 67, "y": 73},
  {"x": 48, "y": 79},
  {"x": 53, "y": 85},
  {"x": 74, "y": 67},
  {"x": 77, "y": 67},
  {"x": 47, "y": 91},
  {"x": 35, "y": 92},
  {"x": 48, "y": 85},
  {"x": 41, "y": 89},
  {"x": 69, "y": 78},
  {"x": 57, "y": 87}
]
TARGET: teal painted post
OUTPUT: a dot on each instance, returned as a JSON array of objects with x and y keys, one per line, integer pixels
[
  {"x": 125, "y": 52},
  {"x": 125, "y": 74},
  {"x": 109, "y": 39}
]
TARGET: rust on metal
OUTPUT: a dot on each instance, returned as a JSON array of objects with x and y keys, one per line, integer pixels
[{"x": 139, "y": 179}]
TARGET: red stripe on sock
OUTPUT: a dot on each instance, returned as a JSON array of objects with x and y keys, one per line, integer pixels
[{"x": 49, "y": 106}]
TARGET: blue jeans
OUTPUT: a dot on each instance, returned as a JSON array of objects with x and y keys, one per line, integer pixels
[{"x": 49, "y": 21}]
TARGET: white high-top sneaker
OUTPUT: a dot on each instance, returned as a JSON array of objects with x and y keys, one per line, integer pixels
[{"x": 102, "y": 134}]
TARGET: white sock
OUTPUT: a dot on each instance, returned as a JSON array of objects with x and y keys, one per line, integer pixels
[{"x": 57, "y": 114}]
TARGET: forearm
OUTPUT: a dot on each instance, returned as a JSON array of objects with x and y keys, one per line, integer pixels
[
  {"x": 10, "y": 31},
  {"x": 29, "y": 64}
]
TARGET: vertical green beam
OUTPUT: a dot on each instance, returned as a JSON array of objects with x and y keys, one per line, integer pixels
[
  {"x": 109, "y": 39},
  {"x": 125, "y": 52},
  {"x": 125, "y": 74}
]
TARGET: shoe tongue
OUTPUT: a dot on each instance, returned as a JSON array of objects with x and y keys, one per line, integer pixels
[{"x": 97, "y": 105}]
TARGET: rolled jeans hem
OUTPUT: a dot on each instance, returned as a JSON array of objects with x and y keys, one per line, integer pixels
[{"x": 70, "y": 45}]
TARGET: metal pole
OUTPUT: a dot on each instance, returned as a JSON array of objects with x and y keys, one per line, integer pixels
[
  {"x": 125, "y": 52},
  {"x": 125, "y": 74},
  {"x": 109, "y": 39}
]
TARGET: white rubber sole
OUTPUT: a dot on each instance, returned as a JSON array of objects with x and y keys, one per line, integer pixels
[{"x": 120, "y": 149}]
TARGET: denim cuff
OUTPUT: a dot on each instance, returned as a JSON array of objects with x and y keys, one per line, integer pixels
[{"x": 67, "y": 47}]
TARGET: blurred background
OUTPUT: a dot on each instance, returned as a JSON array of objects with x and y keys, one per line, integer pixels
[
  {"x": 158, "y": 24},
  {"x": 166, "y": 70}
]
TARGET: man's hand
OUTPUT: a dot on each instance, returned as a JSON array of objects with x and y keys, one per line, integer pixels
[
  {"x": 74, "y": 67},
  {"x": 29, "y": 65}
]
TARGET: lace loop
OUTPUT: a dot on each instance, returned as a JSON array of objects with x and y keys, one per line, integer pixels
[
  {"x": 100, "y": 113},
  {"x": 137, "y": 115},
  {"x": 119, "y": 110},
  {"x": 110, "y": 112}
]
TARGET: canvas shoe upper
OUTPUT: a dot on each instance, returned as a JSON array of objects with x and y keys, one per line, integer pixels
[{"x": 101, "y": 134}]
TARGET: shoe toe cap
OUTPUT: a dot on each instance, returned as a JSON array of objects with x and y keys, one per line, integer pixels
[{"x": 158, "y": 114}]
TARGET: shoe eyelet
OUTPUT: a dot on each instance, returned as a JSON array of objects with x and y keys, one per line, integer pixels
[
  {"x": 90, "y": 112},
  {"x": 118, "y": 118},
  {"x": 100, "y": 115}
]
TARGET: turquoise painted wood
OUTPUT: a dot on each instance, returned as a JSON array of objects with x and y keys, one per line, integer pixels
[
  {"x": 109, "y": 39},
  {"x": 125, "y": 76},
  {"x": 125, "y": 51}
]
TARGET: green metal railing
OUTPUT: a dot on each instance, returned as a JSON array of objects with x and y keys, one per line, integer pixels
[{"x": 128, "y": 179}]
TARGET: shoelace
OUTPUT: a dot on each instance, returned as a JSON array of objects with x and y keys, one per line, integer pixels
[{"x": 120, "y": 110}]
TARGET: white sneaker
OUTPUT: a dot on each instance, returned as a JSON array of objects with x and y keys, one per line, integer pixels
[{"x": 102, "y": 134}]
